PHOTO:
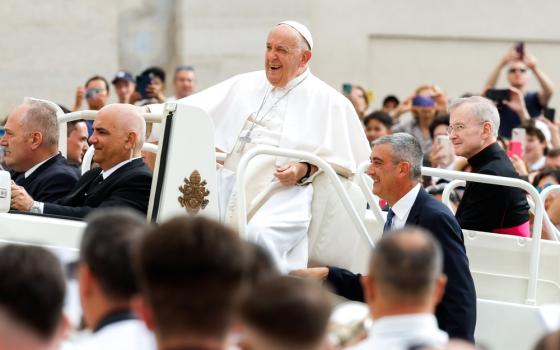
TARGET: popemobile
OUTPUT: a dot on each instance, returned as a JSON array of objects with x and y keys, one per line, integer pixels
[{"x": 517, "y": 279}]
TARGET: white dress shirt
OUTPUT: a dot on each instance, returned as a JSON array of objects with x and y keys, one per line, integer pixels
[
  {"x": 403, "y": 206},
  {"x": 403, "y": 332}
]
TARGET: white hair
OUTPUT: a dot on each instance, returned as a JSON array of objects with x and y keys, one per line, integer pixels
[{"x": 482, "y": 108}]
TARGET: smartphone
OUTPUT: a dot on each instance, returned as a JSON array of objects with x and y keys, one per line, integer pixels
[
  {"x": 549, "y": 113},
  {"x": 446, "y": 146},
  {"x": 346, "y": 88},
  {"x": 142, "y": 82},
  {"x": 520, "y": 48},
  {"x": 498, "y": 95},
  {"x": 517, "y": 143},
  {"x": 515, "y": 148}
]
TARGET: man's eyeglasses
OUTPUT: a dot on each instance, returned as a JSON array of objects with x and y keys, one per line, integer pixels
[
  {"x": 520, "y": 70},
  {"x": 458, "y": 128}
]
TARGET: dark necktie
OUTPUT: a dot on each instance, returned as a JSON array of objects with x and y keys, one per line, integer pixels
[
  {"x": 389, "y": 222},
  {"x": 96, "y": 181}
]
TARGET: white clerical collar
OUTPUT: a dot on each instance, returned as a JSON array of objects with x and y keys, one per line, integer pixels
[
  {"x": 403, "y": 205},
  {"x": 294, "y": 81},
  {"x": 108, "y": 172},
  {"x": 36, "y": 166}
]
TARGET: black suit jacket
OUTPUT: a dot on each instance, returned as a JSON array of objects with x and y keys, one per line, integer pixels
[
  {"x": 456, "y": 314},
  {"x": 51, "y": 181},
  {"x": 129, "y": 186}
]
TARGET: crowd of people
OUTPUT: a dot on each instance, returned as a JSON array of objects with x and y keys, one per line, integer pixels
[
  {"x": 191, "y": 283},
  {"x": 526, "y": 130}
]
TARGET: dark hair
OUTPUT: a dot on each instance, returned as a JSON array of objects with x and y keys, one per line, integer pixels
[
  {"x": 106, "y": 249},
  {"x": 553, "y": 153},
  {"x": 260, "y": 264},
  {"x": 192, "y": 272},
  {"x": 380, "y": 116},
  {"x": 289, "y": 310},
  {"x": 158, "y": 72},
  {"x": 71, "y": 126},
  {"x": 390, "y": 98},
  {"x": 532, "y": 130},
  {"x": 404, "y": 269},
  {"x": 98, "y": 77},
  {"x": 32, "y": 287},
  {"x": 555, "y": 173},
  {"x": 549, "y": 341},
  {"x": 437, "y": 121}
]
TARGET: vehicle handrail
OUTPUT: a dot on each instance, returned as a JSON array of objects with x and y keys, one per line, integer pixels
[
  {"x": 88, "y": 156},
  {"x": 537, "y": 224},
  {"x": 90, "y": 115},
  {"x": 306, "y": 156},
  {"x": 367, "y": 192},
  {"x": 445, "y": 196}
]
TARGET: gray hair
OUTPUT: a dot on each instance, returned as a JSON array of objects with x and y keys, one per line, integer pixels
[
  {"x": 480, "y": 107},
  {"x": 41, "y": 117},
  {"x": 405, "y": 147},
  {"x": 406, "y": 266}
]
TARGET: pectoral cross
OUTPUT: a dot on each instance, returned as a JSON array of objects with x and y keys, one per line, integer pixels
[{"x": 243, "y": 141}]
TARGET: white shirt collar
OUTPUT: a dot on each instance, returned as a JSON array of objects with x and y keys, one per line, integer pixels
[
  {"x": 108, "y": 172},
  {"x": 403, "y": 206},
  {"x": 403, "y": 322},
  {"x": 36, "y": 166}
]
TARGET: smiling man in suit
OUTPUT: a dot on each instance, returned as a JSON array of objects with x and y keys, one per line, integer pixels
[
  {"x": 31, "y": 147},
  {"x": 122, "y": 179},
  {"x": 395, "y": 169}
]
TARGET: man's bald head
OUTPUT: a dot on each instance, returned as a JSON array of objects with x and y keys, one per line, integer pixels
[
  {"x": 129, "y": 119},
  {"x": 119, "y": 131},
  {"x": 407, "y": 264}
]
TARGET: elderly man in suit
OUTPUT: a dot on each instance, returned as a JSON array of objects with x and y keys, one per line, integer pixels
[
  {"x": 395, "y": 168},
  {"x": 121, "y": 180},
  {"x": 31, "y": 152}
]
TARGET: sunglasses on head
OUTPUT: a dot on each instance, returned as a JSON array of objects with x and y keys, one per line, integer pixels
[{"x": 520, "y": 70}]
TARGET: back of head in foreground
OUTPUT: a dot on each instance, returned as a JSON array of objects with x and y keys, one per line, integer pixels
[
  {"x": 107, "y": 281},
  {"x": 32, "y": 291},
  {"x": 282, "y": 313},
  {"x": 191, "y": 273},
  {"x": 405, "y": 274}
]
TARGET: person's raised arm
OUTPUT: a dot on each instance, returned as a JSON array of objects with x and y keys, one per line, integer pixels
[
  {"x": 511, "y": 55},
  {"x": 547, "y": 89}
]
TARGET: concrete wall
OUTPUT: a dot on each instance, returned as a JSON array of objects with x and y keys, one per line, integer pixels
[{"x": 49, "y": 48}]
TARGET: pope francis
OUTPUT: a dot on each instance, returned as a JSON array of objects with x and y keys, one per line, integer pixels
[{"x": 283, "y": 106}]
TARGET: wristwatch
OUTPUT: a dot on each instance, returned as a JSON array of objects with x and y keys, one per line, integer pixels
[
  {"x": 35, "y": 208},
  {"x": 307, "y": 173}
]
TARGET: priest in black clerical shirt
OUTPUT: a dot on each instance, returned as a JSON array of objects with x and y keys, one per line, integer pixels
[{"x": 474, "y": 124}]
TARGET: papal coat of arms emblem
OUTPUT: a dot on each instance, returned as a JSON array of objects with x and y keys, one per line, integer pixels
[{"x": 194, "y": 193}]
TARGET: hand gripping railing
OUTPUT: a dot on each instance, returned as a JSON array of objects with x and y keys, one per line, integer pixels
[
  {"x": 549, "y": 225},
  {"x": 537, "y": 224},
  {"x": 306, "y": 156},
  {"x": 367, "y": 191}
]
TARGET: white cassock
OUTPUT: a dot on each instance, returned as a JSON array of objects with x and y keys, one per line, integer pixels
[{"x": 305, "y": 115}]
